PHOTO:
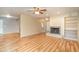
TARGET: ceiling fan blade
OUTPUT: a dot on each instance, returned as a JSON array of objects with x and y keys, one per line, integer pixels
[{"x": 43, "y": 10}]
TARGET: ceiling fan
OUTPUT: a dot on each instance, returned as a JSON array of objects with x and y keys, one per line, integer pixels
[{"x": 37, "y": 10}]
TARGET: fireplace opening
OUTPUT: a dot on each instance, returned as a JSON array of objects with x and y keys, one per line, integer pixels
[{"x": 55, "y": 30}]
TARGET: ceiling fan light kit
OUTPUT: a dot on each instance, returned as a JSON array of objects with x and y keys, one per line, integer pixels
[{"x": 37, "y": 12}]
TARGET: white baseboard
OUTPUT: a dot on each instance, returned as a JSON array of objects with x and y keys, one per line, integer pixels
[
  {"x": 75, "y": 39},
  {"x": 30, "y": 34}
]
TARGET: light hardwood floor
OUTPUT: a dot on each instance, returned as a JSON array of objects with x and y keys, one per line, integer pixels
[{"x": 37, "y": 43}]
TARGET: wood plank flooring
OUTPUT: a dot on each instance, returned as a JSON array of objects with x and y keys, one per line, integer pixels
[{"x": 36, "y": 43}]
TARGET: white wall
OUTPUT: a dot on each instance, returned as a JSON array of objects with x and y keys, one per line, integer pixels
[
  {"x": 10, "y": 26},
  {"x": 29, "y": 25}
]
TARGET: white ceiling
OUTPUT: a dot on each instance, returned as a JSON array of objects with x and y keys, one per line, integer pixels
[{"x": 51, "y": 11}]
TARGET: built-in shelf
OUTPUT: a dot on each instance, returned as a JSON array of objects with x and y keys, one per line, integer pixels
[{"x": 70, "y": 30}]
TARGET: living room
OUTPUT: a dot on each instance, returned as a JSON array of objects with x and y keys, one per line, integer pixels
[{"x": 46, "y": 29}]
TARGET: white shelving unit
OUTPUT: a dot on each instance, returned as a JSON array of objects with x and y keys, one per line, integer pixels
[{"x": 71, "y": 28}]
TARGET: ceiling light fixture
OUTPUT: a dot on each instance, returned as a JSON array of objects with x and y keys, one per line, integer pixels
[
  {"x": 37, "y": 12},
  {"x": 8, "y": 16}
]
